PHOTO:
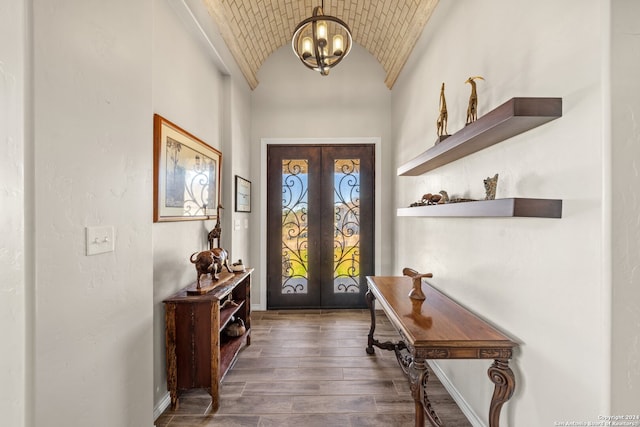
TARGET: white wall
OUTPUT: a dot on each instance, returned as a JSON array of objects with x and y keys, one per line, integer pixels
[
  {"x": 293, "y": 102},
  {"x": 190, "y": 90},
  {"x": 13, "y": 293},
  {"x": 625, "y": 68},
  {"x": 542, "y": 281},
  {"x": 92, "y": 127}
]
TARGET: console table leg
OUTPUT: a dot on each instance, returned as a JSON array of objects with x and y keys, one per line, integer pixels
[
  {"x": 502, "y": 376},
  {"x": 426, "y": 404},
  {"x": 418, "y": 376},
  {"x": 372, "y": 309}
]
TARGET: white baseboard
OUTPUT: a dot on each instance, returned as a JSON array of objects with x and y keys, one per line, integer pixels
[
  {"x": 468, "y": 412},
  {"x": 161, "y": 406},
  {"x": 258, "y": 307}
]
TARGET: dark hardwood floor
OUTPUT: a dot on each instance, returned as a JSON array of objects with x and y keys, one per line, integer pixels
[{"x": 309, "y": 368}]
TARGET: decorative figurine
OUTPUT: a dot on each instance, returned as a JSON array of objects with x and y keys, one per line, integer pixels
[
  {"x": 238, "y": 267},
  {"x": 236, "y": 328},
  {"x": 445, "y": 197},
  {"x": 472, "y": 109},
  {"x": 490, "y": 187},
  {"x": 441, "y": 123},
  {"x": 211, "y": 262},
  {"x": 427, "y": 199},
  {"x": 431, "y": 199},
  {"x": 217, "y": 230},
  {"x": 416, "y": 292}
]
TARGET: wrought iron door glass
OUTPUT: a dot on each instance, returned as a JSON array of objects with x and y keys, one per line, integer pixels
[
  {"x": 346, "y": 202},
  {"x": 295, "y": 239}
]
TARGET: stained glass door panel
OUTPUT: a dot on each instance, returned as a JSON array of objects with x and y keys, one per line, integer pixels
[{"x": 320, "y": 225}]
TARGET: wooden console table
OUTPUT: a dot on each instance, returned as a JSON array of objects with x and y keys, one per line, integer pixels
[
  {"x": 438, "y": 328},
  {"x": 199, "y": 353}
]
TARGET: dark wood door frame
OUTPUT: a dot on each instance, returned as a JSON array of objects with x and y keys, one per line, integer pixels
[{"x": 321, "y": 225}]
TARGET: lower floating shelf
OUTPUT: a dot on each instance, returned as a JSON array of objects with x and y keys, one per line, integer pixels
[{"x": 513, "y": 207}]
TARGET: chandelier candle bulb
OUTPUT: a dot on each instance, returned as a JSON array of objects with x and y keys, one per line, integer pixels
[
  {"x": 306, "y": 47},
  {"x": 337, "y": 44},
  {"x": 322, "y": 32}
]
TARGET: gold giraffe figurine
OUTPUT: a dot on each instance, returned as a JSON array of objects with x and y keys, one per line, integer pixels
[
  {"x": 472, "y": 109},
  {"x": 216, "y": 233},
  {"x": 441, "y": 123}
]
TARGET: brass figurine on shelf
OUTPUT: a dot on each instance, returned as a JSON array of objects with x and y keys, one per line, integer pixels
[
  {"x": 416, "y": 292},
  {"x": 214, "y": 235},
  {"x": 472, "y": 109},
  {"x": 210, "y": 262},
  {"x": 490, "y": 187},
  {"x": 441, "y": 123}
]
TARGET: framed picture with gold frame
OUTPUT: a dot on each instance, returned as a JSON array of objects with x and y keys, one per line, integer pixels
[{"x": 186, "y": 174}]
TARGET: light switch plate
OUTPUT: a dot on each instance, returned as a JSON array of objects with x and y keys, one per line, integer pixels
[
  {"x": 236, "y": 224},
  {"x": 100, "y": 239}
]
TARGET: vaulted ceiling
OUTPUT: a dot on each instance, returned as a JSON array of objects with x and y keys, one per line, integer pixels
[{"x": 253, "y": 29}]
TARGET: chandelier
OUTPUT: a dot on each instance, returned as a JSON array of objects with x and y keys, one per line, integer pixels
[{"x": 311, "y": 41}]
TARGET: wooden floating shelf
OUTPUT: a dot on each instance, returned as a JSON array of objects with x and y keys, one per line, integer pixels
[
  {"x": 514, "y": 207},
  {"x": 509, "y": 119}
]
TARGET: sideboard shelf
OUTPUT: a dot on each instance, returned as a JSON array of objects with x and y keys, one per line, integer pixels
[
  {"x": 509, "y": 119},
  {"x": 513, "y": 207}
]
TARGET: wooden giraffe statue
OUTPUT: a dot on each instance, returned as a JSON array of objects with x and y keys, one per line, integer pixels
[
  {"x": 441, "y": 123},
  {"x": 216, "y": 233},
  {"x": 472, "y": 109}
]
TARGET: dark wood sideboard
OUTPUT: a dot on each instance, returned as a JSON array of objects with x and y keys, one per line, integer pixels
[
  {"x": 438, "y": 328},
  {"x": 199, "y": 353}
]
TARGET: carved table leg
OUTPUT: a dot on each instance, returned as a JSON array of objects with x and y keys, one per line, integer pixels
[
  {"x": 426, "y": 404},
  {"x": 372, "y": 309},
  {"x": 388, "y": 345},
  {"x": 418, "y": 377},
  {"x": 505, "y": 383}
]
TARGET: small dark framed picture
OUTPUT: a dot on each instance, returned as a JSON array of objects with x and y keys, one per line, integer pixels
[{"x": 243, "y": 195}]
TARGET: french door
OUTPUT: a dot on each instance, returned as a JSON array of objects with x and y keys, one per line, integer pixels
[{"x": 320, "y": 219}]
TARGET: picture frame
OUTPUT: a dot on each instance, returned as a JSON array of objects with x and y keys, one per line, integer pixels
[
  {"x": 243, "y": 195},
  {"x": 186, "y": 174}
]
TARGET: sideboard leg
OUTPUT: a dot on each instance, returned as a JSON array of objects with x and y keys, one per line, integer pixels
[
  {"x": 170, "y": 345},
  {"x": 505, "y": 383}
]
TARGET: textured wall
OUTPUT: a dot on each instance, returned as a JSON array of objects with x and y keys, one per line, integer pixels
[
  {"x": 13, "y": 327},
  {"x": 625, "y": 68},
  {"x": 190, "y": 91},
  {"x": 92, "y": 127},
  {"x": 540, "y": 280}
]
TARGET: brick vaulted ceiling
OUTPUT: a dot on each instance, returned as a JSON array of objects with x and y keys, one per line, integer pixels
[{"x": 253, "y": 29}]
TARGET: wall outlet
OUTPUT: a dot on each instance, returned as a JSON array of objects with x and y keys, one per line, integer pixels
[{"x": 100, "y": 239}]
